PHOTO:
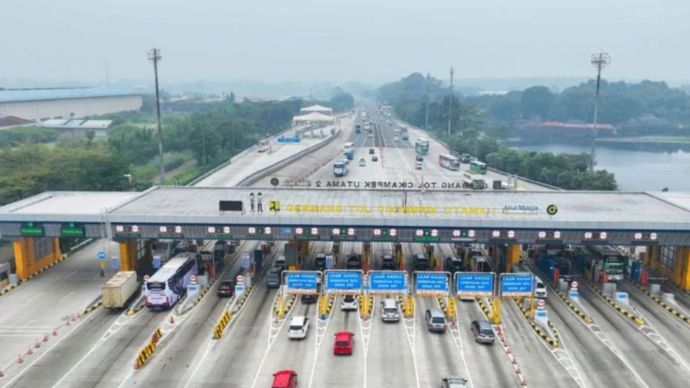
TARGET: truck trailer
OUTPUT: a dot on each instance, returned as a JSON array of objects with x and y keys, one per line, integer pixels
[{"x": 119, "y": 289}]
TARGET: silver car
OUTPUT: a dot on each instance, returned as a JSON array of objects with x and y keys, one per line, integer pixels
[{"x": 435, "y": 320}]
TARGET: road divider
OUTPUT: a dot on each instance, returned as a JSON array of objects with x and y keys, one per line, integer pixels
[
  {"x": 546, "y": 337},
  {"x": 326, "y": 303},
  {"x": 503, "y": 341},
  {"x": 666, "y": 306},
  {"x": 624, "y": 312},
  {"x": 221, "y": 325},
  {"x": 93, "y": 306},
  {"x": 366, "y": 306},
  {"x": 149, "y": 349},
  {"x": 407, "y": 303},
  {"x": 586, "y": 318},
  {"x": 485, "y": 307}
]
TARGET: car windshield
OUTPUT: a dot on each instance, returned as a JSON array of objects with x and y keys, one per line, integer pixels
[
  {"x": 390, "y": 311},
  {"x": 296, "y": 327},
  {"x": 486, "y": 331},
  {"x": 349, "y": 298},
  {"x": 439, "y": 320},
  {"x": 340, "y": 343}
]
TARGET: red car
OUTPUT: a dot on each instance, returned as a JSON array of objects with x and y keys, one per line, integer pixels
[
  {"x": 344, "y": 341},
  {"x": 285, "y": 378},
  {"x": 226, "y": 288}
]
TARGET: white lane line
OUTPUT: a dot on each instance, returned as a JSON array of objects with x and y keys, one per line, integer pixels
[
  {"x": 34, "y": 297},
  {"x": 28, "y": 366},
  {"x": 318, "y": 343},
  {"x": 268, "y": 347},
  {"x": 460, "y": 346},
  {"x": 65, "y": 297},
  {"x": 108, "y": 333}
]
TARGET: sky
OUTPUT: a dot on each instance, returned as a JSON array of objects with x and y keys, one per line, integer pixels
[{"x": 338, "y": 40}]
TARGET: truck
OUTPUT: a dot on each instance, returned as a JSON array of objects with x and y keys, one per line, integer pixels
[
  {"x": 349, "y": 154},
  {"x": 119, "y": 289},
  {"x": 473, "y": 181}
]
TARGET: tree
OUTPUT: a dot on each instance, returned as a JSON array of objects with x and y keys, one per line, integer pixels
[{"x": 536, "y": 102}]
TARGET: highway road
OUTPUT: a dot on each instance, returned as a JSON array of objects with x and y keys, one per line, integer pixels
[{"x": 101, "y": 348}]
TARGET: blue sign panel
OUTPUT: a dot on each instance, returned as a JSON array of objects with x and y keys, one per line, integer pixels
[
  {"x": 301, "y": 282},
  {"x": 115, "y": 263},
  {"x": 344, "y": 282},
  {"x": 516, "y": 284},
  {"x": 474, "y": 283},
  {"x": 431, "y": 283},
  {"x": 156, "y": 263},
  {"x": 288, "y": 139},
  {"x": 387, "y": 282},
  {"x": 101, "y": 255}
]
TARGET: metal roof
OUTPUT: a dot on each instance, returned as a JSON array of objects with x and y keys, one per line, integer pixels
[
  {"x": 61, "y": 94},
  {"x": 575, "y": 209}
]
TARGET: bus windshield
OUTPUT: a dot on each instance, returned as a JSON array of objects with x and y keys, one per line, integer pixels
[{"x": 478, "y": 167}]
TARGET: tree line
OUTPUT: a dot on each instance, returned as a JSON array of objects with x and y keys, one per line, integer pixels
[{"x": 475, "y": 133}]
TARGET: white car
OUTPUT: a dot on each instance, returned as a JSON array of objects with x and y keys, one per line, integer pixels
[
  {"x": 362, "y": 163},
  {"x": 299, "y": 326},
  {"x": 348, "y": 303}
]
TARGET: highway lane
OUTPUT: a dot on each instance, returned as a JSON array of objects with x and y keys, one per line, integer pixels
[
  {"x": 39, "y": 305},
  {"x": 539, "y": 366},
  {"x": 643, "y": 355},
  {"x": 600, "y": 366},
  {"x": 675, "y": 332}
]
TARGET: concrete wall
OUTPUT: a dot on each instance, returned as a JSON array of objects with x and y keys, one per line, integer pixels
[{"x": 67, "y": 108}]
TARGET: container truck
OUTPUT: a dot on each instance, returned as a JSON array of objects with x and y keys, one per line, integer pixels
[
  {"x": 473, "y": 181},
  {"x": 119, "y": 289}
]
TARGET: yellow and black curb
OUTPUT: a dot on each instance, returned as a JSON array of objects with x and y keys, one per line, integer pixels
[
  {"x": 485, "y": 309},
  {"x": 554, "y": 343},
  {"x": 665, "y": 305},
  {"x": 407, "y": 303},
  {"x": 8, "y": 289},
  {"x": 93, "y": 307},
  {"x": 135, "y": 310},
  {"x": 221, "y": 325},
  {"x": 144, "y": 354},
  {"x": 33, "y": 275},
  {"x": 573, "y": 307},
  {"x": 289, "y": 301},
  {"x": 632, "y": 317}
]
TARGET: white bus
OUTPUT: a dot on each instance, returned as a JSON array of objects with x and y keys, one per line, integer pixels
[
  {"x": 449, "y": 161},
  {"x": 347, "y": 146},
  {"x": 165, "y": 287}
]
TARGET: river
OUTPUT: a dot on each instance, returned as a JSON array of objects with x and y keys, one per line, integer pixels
[{"x": 637, "y": 166}]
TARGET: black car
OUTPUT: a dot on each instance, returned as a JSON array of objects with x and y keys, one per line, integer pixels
[
  {"x": 453, "y": 265},
  {"x": 387, "y": 262},
  {"x": 309, "y": 298},
  {"x": 354, "y": 262},
  {"x": 226, "y": 288},
  {"x": 371, "y": 151},
  {"x": 419, "y": 158},
  {"x": 320, "y": 261}
]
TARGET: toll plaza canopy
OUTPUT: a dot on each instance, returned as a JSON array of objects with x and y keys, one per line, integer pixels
[{"x": 363, "y": 215}]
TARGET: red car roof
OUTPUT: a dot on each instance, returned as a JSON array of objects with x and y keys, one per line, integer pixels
[
  {"x": 282, "y": 377},
  {"x": 344, "y": 335}
]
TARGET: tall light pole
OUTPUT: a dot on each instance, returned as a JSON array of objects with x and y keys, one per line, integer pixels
[
  {"x": 155, "y": 57},
  {"x": 426, "y": 115},
  {"x": 450, "y": 105},
  {"x": 599, "y": 61}
]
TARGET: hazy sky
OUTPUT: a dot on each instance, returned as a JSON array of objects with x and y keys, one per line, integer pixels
[{"x": 338, "y": 40}]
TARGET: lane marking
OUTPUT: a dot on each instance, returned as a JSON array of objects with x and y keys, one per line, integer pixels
[
  {"x": 268, "y": 347},
  {"x": 65, "y": 297}
]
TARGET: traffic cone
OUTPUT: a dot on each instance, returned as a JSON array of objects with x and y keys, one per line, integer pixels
[
  {"x": 30, "y": 351},
  {"x": 38, "y": 344},
  {"x": 20, "y": 359},
  {"x": 54, "y": 332},
  {"x": 2, "y": 374},
  {"x": 172, "y": 320},
  {"x": 45, "y": 337}
]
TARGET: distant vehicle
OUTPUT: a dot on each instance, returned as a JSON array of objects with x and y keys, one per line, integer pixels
[
  {"x": 390, "y": 311},
  {"x": 419, "y": 158},
  {"x": 299, "y": 326},
  {"x": 466, "y": 158},
  {"x": 435, "y": 320},
  {"x": 348, "y": 303},
  {"x": 362, "y": 162},
  {"x": 340, "y": 168},
  {"x": 396, "y": 131},
  {"x": 344, "y": 343},
  {"x": 166, "y": 286},
  {"x": 421, "y": 263},
  {"x": 372, "y": 151},
  {"x": 320, "y": 261},
  {"x": 274, "y": 277},
  {"x": 453, "y": 382},
  {"x": 263, "y": 146},
  {"x": 606, "y": 259},
  {"x": 387, "y": 262},
  {"x": 165, "y": 249},
  {"x": 354, "y": 261},
  {"x": 403, "y": 133},
  {"x": 453, "y": 264},
  {"x": 374, "y": 158},
  {"x": 480, "y": 264},
  {"x": 540, "y": 288},
  {"x": 119, "y": 289},
  {"x": 418, "y": 165},
  {"x": 473, "y": 181},
  {"x": 449, "y": 161},
  {"x": 483, "y": 332},
  {"x": 285, "y": 379},
  {"x": 421, "y": 146},
  {"x": 309, "y": 298},
  {"x": 358, "y": 128},
  {"x": 370, "y": 134},
  {"x": 348, "y": 146},
  {"x": 280, "y": 262},
  {"x": 226, "y": 288},
  {"x": 478, "y": 167}
]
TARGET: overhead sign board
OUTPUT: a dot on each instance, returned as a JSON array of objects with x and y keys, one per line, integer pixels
[
  {"x": 517, "y": 284},
  {"x": 474, "y": 283},
  {"x": 31, "y": 230},
  {"x": 301, "y": 282},
  {"x": 72, "y": 230},
  {"x": 382, "y": 282},
  {"x": 344, "y": 281},
  {"x": 432, "y": 283}
]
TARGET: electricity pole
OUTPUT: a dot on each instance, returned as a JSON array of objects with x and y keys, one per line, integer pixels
[
  {"x": 599, "y": 61},
  {"x": 426, "y": 115},
  {"x": 155, "y": 57},
  {"x": 450, "y": 106}
]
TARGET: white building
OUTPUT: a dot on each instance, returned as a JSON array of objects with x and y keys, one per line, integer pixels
[
  {"x": 44, "y": 104},
  {"x": 317, "y": 109}
]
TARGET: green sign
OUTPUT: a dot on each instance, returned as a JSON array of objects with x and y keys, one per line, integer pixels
[
  {"x": 31, "y": 230},
  {"x": 427, "y": 237},
  {"x": 72, "y": 230}
]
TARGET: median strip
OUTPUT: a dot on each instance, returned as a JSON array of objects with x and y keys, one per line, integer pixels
[
  {"x": 573, "y": 307},
  {"x": 663, "y": 304},
  {"x": 632, "y": 317},
  {"x": 554, "y": 343}
]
